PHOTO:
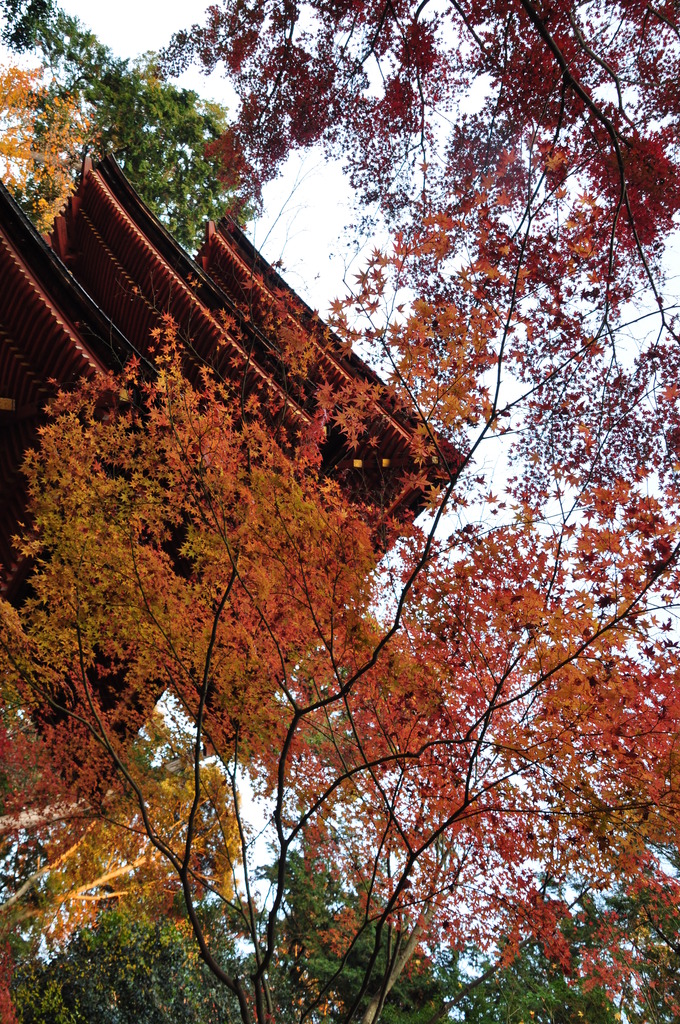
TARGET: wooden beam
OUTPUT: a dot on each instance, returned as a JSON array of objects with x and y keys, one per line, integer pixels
[{"x": 18, "y": 412}]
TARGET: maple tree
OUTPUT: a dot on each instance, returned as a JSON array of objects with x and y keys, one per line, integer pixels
[
  {"x": 41, "y": 136},
  {"x": 199, "y": 557},
  {"x": 81, "y": 863},
  {"x": 462, "y": 731}
]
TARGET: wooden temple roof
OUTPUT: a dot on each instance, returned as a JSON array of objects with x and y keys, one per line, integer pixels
[{"x": 90, "y": 298}]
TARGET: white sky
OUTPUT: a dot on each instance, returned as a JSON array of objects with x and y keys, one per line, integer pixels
[
  {"x": 306, "y": 211},
  {"x": 130, "y": 27}
]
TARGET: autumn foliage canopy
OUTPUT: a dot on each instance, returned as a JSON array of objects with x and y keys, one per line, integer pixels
[{"x": 474, "y": 728}]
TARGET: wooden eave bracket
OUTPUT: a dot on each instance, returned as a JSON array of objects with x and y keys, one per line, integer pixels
[{"x": 9, "y": 410}]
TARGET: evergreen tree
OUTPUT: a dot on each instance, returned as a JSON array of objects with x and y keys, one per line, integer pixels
[
  {"x": 123, "y": 971},
  {"x": 22, "y": 20},
  {"x": 156, "y": 131}
]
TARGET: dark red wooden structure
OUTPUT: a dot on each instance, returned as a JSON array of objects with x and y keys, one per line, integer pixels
[{"x": 89, "y": 297}]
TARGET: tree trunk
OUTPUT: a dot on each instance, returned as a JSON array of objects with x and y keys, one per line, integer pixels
[{"x": 374, "y": 1008}]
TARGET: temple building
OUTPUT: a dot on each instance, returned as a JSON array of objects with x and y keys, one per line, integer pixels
[{"x": 89, "y": 297}]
